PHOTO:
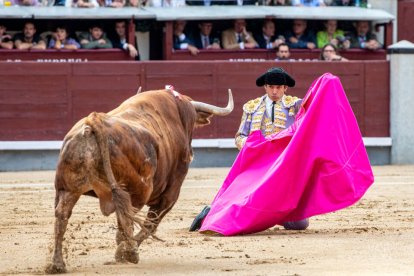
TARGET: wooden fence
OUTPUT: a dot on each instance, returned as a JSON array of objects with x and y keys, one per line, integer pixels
[{"x": 41, "y": 101}]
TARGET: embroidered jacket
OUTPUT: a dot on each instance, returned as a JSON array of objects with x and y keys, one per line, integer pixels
[{"x": 255, "y": 117}]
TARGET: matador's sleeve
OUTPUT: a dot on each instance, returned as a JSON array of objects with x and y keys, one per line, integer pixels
[
  {"x": 246, "y": 121},
  {"x": 244, "y": 130},
  {"x": 293, "y": 104}
]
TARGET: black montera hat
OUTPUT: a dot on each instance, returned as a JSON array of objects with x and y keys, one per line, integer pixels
[{"x": 275, "y": 76}]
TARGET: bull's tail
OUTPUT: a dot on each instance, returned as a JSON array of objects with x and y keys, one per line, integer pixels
[{"x": 120, "y": 197}]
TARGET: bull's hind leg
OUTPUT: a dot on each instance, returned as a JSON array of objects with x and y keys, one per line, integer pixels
[
  {"x": 127, "y": 250},
  {"x": 65, "y": 203}
]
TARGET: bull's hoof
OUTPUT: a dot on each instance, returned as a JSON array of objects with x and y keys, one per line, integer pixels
[
  {"x": 55, "y": 269},
  {"x": 124, "y": 254}
]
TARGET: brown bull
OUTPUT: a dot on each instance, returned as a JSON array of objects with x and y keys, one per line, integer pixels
[{"x": 137, "y": 154}]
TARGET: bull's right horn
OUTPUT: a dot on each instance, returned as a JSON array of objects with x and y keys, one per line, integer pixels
[{"x": 215, "y": 110}]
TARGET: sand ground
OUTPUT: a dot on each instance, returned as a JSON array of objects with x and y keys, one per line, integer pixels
[{"x": 373, "y": 237}]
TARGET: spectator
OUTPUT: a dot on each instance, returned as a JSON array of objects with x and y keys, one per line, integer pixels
[
  {"x": 363, "y": 37},
  {"x": 135, "y": 3},
  {"x": 283, "y": 52},
  {"x": 5, "y": 39},
  {"x": 308, "y": 3},
  {"x": 29, "y": 39},
  {"x": 329, "y": 53},
  {"x": 25, "y": 3},
  {"x": 300, "y": 37},
  {"x": 112, "y": 3},
  {"x": 95, "y": 38},
  {"x": 61, "y": 40},
  {"x": 164, "y": 3},
  {"x": 180, "y": 39},
  {"x": 349, "y": 3},
  {"x": 119, "y": 39},
  {"x": 222, "y": 2},
  {"x": 332, "y": 35},
  {"x": 238, "y": 37},
  {"x": 204, "y": 2},
  {"x": 277, "y": 3},
  {"x": 267, "y": 39},
  {"x": 243, "y": 2},
  {"x": 62, "y": 3},
  {"x": 86, "y": 4},
  {"x": 204, "y": 38}
]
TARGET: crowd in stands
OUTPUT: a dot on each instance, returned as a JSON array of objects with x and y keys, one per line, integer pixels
[
  {"x": 60, "y": 38},
  {"x": 202, "y": 36},
  {"x": 178, "y": 3},
  {"x": 298, "y": 35}
]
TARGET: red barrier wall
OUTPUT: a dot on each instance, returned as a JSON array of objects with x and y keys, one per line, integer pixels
[{"x": 41, "y": 101}]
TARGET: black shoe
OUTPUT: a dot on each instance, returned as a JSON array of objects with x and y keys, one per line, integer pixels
[
  {"x": 199, "y": 219},
  {"x": 297, "y": 224}
]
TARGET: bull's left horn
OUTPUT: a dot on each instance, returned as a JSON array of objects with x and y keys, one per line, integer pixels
[{"x": 215, "y": 110}]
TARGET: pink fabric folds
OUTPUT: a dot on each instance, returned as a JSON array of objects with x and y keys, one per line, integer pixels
[{"x": 317, "y": 165}]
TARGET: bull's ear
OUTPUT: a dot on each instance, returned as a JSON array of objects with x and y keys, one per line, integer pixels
[{"x": 203, "y": 118}]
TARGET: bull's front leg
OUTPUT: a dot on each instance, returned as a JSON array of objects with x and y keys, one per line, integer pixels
[
  {"x": 63, "y": 211},
  {"x": 157, "y": 211},
  {"x": 127, "y": 250},
  {"x": 154, "y": 216}
]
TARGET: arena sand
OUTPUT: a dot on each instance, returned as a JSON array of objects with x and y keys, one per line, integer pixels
[{"x": 373, "y": 237}]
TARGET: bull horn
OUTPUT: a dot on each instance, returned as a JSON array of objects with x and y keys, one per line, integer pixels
[
  {"x": 215, "y": 110},
  {"x": 139, "y": 89}
]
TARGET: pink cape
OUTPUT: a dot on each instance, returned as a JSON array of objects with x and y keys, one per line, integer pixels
[{"x": 317, "y": 165}]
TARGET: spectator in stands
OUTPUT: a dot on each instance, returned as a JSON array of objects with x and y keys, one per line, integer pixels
[
  {"x": 136, "y": 3},
  {"x": 180, "y": 39},
  {"x": 300, "y": 37},
  {"x": 29, "y": 39},
  {"x": 329, "y": 53},
  {"x": 25, "y": 3},
  {"x": 238, "y": 37},
  {"x": 363, "y": 37},
  {"x": 308, "y": 3},
  {"x": 243, "y": 2},
  {"x": 86, "y": 4},
  {"x": 112, "y": 3},
  {"x": 119, "y": 39},
  {"x": 283, "y": 52},
  {"x": 277, "y": 3},
  {"x": 267, "y": 39},
  {"x": 332, "y": 35},
  {"x": 5, "y": 39},
  {"x": 95, "y": 38},
  {"x": 348, "y": 3},
  {"x": 222, "y": 2},
  {"x": 204, "y": 39},
  {"x": 62, "y": 3},
  {"x": 205, "y": 2},
  {"x": 157, "y": 3},
  {"x": 61, "y": 40}
]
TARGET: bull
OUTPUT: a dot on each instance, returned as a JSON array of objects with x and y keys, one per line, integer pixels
[{"x": 135, "y": 155}]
